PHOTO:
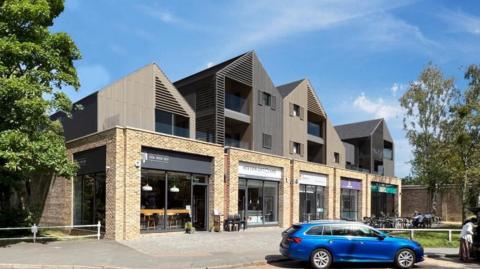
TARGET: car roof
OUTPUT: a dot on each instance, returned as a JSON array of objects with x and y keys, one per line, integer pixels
[{"x": 323, "y": 222}]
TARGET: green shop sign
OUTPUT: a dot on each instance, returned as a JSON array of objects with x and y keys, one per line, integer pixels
[{"x": 384, "y": 188}]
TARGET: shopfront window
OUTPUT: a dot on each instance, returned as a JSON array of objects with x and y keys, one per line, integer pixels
[
  {"x": 89, "y": 199},
  {"x": 178, "y": 200},
  {"x": 258, "y": 201},
  {"x": 166, "y": 200},
  {"x": 311, "y": 202},
  {"x": 349, "y": 204},
  {"x": 383, "y": 200}
]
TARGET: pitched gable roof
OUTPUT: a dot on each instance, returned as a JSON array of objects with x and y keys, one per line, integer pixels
[
  {"x": 357, "y": 129},
  {"x": 209, "y": 71},
  {"x": 287, "y": 88}
]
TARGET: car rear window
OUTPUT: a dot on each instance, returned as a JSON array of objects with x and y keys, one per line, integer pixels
[{"x": 292, "y": 229}]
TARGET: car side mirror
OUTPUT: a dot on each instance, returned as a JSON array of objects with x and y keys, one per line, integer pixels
[{"x": 381, "y": 236}]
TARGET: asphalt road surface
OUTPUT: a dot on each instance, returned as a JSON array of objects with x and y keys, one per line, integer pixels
[{"x": 428, "y": 263}]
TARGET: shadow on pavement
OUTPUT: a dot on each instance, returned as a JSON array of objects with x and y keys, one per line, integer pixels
[{"x": 281, "y": 262}]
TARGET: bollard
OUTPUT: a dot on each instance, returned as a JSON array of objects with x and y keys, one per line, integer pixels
[
  {"x": 449, "y": 235},
  {"x": 411, "y": 234},
  {"x": 34, "y": 231}
]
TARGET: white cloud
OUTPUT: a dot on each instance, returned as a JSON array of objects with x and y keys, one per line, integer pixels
[
  {"x": 209, "y": 64},
  {"x": 397, "y": 88},
  {"x": 272, "y": 20},
  {"x": 462, "y": 22},
  {"x": 377, "y": 108},
  {"x": 164, "y": 15}
]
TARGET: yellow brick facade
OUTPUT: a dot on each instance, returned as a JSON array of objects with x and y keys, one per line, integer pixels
[{"x": 123, "y": 179}]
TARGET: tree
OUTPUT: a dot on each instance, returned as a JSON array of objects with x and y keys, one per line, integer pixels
[
  {"x": 463, "y": 133},
  {"x": 35, "y": 67},
  {"x": 427, "y": 103}
]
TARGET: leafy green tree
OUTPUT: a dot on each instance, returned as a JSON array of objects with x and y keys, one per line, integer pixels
[
  {"x": 35, "y": 67},
  {"x": 427, "y": 104},
  {"x": 463, "y": 134}
]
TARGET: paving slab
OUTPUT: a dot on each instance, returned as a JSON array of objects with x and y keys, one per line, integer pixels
[{"x": 166, "y": 250}]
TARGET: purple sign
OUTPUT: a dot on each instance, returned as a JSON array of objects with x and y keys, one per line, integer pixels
[{"x": 350, "y": 184}]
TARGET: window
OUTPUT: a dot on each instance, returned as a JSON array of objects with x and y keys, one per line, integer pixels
[
  {"x": 267, "y": 99},
  {"x": 267, "y": 141},
  {"x": 340, "y": 230},
  {"x": 315, "y": 230},
  {"x": 311, "y": 202},
  {"x": 296, "y": 110},
  {"x": 363, "y": 231},
  {"x": 296, "y": 148},
  {"x": 168, "y": 123},
  {"x": 336, "y": 156},
  {"x": 258, "y": 201}
]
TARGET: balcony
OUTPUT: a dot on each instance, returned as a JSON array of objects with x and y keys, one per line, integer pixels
[
  {"x": 232, "y": 142},
  {"x": 388, "y": 154},
  {"x": 236, "y": 103},
  {"x": 314, "y": 129}
]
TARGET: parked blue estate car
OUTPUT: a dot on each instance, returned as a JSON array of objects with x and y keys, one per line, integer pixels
[{"x": 326, "y": 242}]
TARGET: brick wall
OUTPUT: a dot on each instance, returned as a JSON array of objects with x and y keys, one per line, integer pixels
[
  {"x": 418, "y": 198},
  {"x": 123, "y": 190}
]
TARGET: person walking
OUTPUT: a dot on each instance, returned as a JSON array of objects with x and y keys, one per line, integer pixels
[{"x": 466, "y": 239}]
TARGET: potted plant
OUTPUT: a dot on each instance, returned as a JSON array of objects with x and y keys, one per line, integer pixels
[{"x": 189, "y": 229}]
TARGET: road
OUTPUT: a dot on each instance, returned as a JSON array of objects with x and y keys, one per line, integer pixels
[{"x": 428, "y": 263}]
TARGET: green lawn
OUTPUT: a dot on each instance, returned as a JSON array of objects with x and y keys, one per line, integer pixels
[{"x": 433, "y": 239}]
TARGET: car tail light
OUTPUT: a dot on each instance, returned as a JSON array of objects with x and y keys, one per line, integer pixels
[{"x": 295, "y": 240}]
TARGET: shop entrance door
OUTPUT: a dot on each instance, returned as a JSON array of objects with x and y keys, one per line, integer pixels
[{"x": 199, "y": 207}]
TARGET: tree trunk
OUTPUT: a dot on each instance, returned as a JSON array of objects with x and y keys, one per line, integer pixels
[{"x": 464, "y": 195}]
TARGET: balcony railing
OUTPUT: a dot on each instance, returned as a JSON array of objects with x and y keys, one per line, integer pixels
[
  {"x": 314, "y": 129},
  {"x": 231, "y": 142},
  {"x": 236, "y": 103},
  {"x": 356, "y": 168}
]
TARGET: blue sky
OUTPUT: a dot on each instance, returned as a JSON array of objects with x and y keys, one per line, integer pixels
[{"x": 359, "y": 55}]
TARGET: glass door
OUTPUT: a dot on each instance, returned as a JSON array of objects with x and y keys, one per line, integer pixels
[{"x": 199, "y": 207}]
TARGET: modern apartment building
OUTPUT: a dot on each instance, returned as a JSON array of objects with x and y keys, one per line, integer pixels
[
  {"x": 369, "y": 146},
  {"x": 236, "y": 104},
  {"x": 154, "y": 155},
  {"x": 307, "y": 131}
]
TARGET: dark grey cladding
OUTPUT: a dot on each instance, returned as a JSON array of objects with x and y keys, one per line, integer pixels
[
  {"x": 175, "y": 161},
  {"x": 91, "y": 161}
]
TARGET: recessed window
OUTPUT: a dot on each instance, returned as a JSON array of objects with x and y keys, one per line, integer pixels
[
  {"x": 267, "y": 99},
  {"x": 296, "y": 110},
  {"x": 267, "y": 141},
  {"x": 168, "y": 123},
  {"x": 297, "y": 148},
  {"x": 336, "y": 156}
]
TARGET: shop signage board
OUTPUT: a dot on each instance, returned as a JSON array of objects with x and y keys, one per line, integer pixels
[
  {"x": 258, "y": 171},
  {"x": 351, "y": 184},
  {"x": 309, "y": 178},
  {"x": 175, "y": 161},
  {"x": 378, "y": 187}
]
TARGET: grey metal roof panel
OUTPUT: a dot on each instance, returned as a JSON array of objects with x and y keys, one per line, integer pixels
[
  {"x": 207, "y": 72},
  {"x": 357, "y": 129},
  {"x": 287, "y": 88}
]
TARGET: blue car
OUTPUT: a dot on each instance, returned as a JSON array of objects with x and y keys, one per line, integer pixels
[{"x": 325, "y": 242}]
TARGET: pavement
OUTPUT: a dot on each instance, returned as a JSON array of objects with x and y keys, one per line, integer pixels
[{"x": 253, "y": 247}]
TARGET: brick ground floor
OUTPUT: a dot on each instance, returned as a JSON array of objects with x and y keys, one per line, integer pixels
[{"x": 139, "y": 182}]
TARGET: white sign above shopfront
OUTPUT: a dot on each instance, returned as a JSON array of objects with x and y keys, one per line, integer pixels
[
  {"x": 250, "y": 170},
  {"x": 308, "y": 178}
]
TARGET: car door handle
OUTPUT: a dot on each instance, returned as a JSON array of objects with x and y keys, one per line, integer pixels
[{"x": 361, "y": 242}]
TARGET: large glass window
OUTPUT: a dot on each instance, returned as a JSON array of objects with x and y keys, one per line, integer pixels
[
  {"x": 166, "y": 200},
  {"x": 349, "y": 204},
  {"x": 258, "y": 201},
  {"x": 383, "y": 200},
  {"x": 311, "y": 202},
  {"x": 168, "y": 123},
  {"x": 89, "y": 199}
]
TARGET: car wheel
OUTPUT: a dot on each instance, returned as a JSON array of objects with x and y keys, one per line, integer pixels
[
  {"x": 405, "y": 258},
  {"x": 321, "y": 259}
]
